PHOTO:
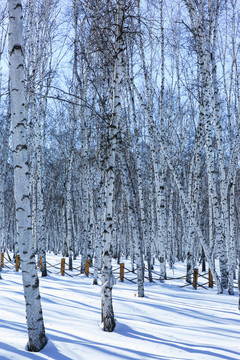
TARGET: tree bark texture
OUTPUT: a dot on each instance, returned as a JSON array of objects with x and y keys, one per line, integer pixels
[{"x": 36, "y": 331}]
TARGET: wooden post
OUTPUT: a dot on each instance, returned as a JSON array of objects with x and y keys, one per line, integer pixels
[
  {"x": 2, "y": 259},
  {"x": 62, "y": 266},
  {"x": 87, "y": 264},
  {"x": 195, "y": 278},
  {"x": 17, "y": 264},
  {"x": 203, "y": 261},
  {"x": 40, "y": 263},
  {"x": 122, "y": 272},
  {"x": 210, "y": 279}
]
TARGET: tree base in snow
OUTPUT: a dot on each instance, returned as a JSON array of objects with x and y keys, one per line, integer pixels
[
  {"x": 109, "y": 324},
  {"x": 44, "y": 273},
  {"x": 36, "y": 348}
]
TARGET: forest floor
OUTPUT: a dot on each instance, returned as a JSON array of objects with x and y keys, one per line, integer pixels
[{"x": 170, "y": 323}]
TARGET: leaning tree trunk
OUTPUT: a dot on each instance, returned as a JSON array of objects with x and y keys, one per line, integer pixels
[{"x": 35, "y": 325}]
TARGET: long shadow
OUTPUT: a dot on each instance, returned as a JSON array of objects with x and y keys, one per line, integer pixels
[
  {"x": 210, "y": 329},
  {"x": 186, "y": 293},
  {"x": 106, "y": 349},
  {"x": 126, "y": 354},
  {"x": 70, "y": 304},
  {"x": 127, "y": 331},
  {"x": 50, "y": 350},
  {"x": 12, "y": 325},
  {"x": 147, "y": 319},
  {"x": 191, "y": 313}
]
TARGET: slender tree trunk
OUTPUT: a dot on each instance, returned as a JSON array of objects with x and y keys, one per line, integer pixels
[
  {"x": 35, "y": 325},
  {"x": 138, "y": 243},
  {"x": 109, "y": 208},
  {"x": 40, "y": 218},
  {"x": 232, "y": 249},
  {"x": 3, "y": 172},
  {"x": 70, "y": 240},
  {"x": 140, "y": 234}
]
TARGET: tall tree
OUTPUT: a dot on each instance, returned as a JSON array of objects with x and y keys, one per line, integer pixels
[
  {"x": 113, "y": 134},
  {"x": 36, "y": 331},
  {"x": 4, "y": 133}
]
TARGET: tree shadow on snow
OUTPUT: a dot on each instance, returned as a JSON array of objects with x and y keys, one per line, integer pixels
[
  {"x": 106, "y": 349},
  {"x": 209, "y": 350},
  {"x": 50, "y": 350},
  {"x": 117, "y": 352}
]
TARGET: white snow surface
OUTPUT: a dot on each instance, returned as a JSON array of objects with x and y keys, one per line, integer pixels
[{"x": 170, "y": 323}]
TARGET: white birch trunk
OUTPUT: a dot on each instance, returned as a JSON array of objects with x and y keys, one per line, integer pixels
[
  {"x": 40, "y": 213},
  {"x": 170, "y": 237},
  {"x": 4, "y": 142},
  {"x": 107, "y": 283},
  {"x": 138, "y": 243},
  {"x": 70, "y": 241},
  {"x": 35, "y": 325},
  {"x": 163, "y": 221},
  {"x": 63, "y": 230},
  {"x": 3, "y": 172},
  {"x": 232, "y": 242},
  {"x": 140, "y": 235},
  {"x": 98, "y": 241},
  {"x": 86, "y": 246},
  {"x": 151, "y": 226},
  {"x": 85, "y": 199},
  {"x": 194, "y": 195}
]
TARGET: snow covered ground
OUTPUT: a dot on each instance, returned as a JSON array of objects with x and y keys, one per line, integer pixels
[{"x": 169, "y": 323}]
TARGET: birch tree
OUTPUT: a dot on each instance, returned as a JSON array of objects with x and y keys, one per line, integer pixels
[
  {"x": 107, "y": 283},
  {"x": 5, "y": 131},
  {"x": 36, "y": 331}
]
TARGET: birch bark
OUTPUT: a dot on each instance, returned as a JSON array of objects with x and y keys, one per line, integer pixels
[
  {"x": 137, "y": 238},
  {"x": 35, "y": 325},
  {"x": 107, "y": 283},
  {"x": 140, "y": 235},
  {"x": 5, "y": 131}
]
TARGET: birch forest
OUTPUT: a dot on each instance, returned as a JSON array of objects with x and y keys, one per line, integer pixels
[{"x": 131, "y": 137}]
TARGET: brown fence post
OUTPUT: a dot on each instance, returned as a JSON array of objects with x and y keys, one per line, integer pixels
[
  {"x": 210, "y": 279},
  {"x": 17, "y": 264},
  {"x": 40, "y": 263},
  {"x": 87, "y": 264},
  {"x": 62, "y": 266},
  {"x": 195, "y": 278},
  {"x": 122, "y": 272},
  {"x": 2, "y": 259}
]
